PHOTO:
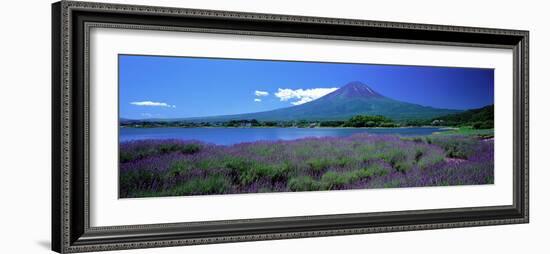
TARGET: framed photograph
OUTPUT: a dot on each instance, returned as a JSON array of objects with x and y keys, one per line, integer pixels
[{"x": 177, "y": 126}]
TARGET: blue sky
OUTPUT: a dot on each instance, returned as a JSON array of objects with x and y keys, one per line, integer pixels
[{"x": 173, "y": 87}]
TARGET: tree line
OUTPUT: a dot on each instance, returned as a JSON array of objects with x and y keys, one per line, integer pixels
[
  {"x": 355, "y": 121},
  {"x": 482, "y": 118}
]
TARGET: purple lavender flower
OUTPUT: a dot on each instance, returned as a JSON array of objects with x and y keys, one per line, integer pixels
[{"x": 177, "y": 167}]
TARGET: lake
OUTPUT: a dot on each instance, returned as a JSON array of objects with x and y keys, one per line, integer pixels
[{"x": 229, "y": 136}]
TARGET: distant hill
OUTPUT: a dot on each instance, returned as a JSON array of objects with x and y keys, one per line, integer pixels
[
  {"x": 352, "y": 99},
  {"x": 481, "y": 118}
]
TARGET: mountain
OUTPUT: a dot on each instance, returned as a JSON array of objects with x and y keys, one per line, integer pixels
[
  {"x": 480, "y": 118},
  {"x": 352, "y": 99}
]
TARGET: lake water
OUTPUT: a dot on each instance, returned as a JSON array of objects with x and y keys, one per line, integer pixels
[{"x": 229, "y": 136}]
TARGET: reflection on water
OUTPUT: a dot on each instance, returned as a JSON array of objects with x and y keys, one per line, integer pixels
[{"x": 229, "y": 136}]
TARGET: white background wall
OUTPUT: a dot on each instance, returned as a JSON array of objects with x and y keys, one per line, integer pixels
[{"x": 25, "y": 125}]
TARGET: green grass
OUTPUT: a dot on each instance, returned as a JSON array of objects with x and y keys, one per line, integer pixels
[
  {"x": 331, "y": 180},
  {"x": 303, "y": 183},
  {"x": 469, "y": 131},
  {"x": 216, "y": 184}
]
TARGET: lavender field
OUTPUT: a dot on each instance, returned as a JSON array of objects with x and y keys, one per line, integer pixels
[{"x": 153, "y": 168}]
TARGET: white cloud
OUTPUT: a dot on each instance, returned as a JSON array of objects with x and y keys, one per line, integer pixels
[
  {"x": 257, "y": 100},
  {"x": 152, "y": 104},
  {"x": 146, "y": 114},
  {"x": 302, "y": 95},
  {"x": 261, "y": 93}
]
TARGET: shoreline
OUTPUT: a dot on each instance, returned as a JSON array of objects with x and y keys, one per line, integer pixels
[
  {"x": 267, "y": 139},
  {"x": 278, "y": 127}
]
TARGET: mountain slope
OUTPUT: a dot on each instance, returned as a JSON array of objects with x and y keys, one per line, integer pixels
[
  {"x": 355, "y": 98},
  {"x": 481, "y": 118}
]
